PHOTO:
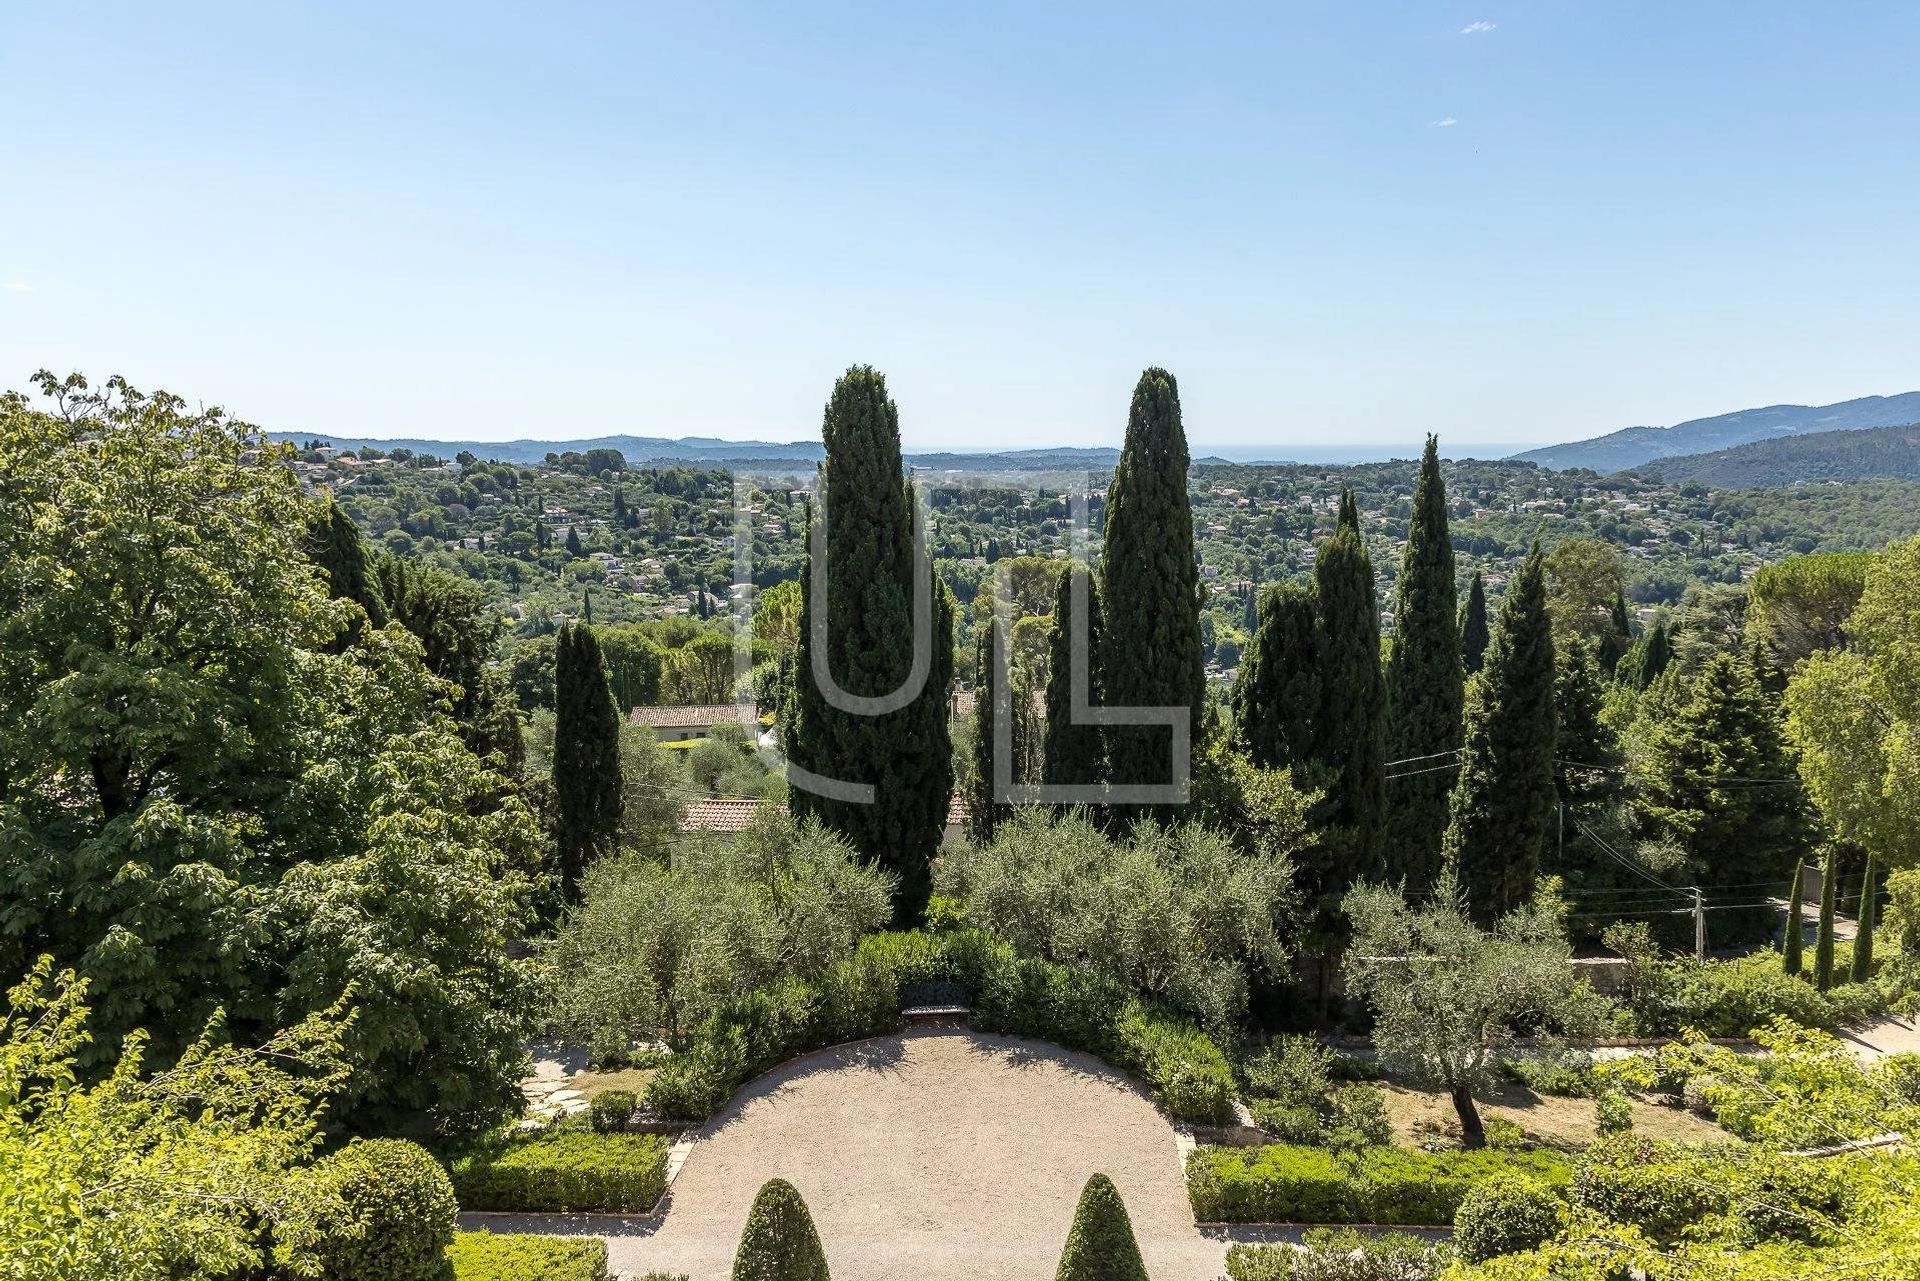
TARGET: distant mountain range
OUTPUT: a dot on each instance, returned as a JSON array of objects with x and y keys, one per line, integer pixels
[
  {"x": 1636, "y": 446},
  {"x": 1873, "y": 453}
]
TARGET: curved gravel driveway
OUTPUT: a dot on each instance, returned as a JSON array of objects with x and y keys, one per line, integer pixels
[{"x": 932, "y": 1156}]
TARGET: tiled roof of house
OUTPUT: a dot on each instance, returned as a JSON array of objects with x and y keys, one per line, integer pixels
[
  {"x": 956, "y": 810},
  {"x": 686, "y": 716},
  {"x": 719, "y": 815}
]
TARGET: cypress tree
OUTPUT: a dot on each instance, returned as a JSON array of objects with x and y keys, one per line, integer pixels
[
  {"x": 1074, "y": 755},
  {"x": 334, "y": 544},
  {"x": 1100, "y": 1245},
  {"x": 1473, "y": 626},
  {"x": 1152, "y": 656},
  {"x": 1426, "y": 686},
  {"x": 779, "y": 1242},
  {"x": 586, "y": 753},
  {"x": 1350, "y": 729},
  {"x": 1650, "y": 655},
  {"x": 1823, "y": 937},
  {"x": 573, "y": 543},
  {"x": 1277, "y": 692},
  {"x": 1619, "y": 637},
  {"x": 1503, "y": 800},
  {"x": 905, "y": 755},
  {"x": 1587, "y": 748},
  {"x": 1792, "y": 942},
  {"x": 1863, "y": 933}
]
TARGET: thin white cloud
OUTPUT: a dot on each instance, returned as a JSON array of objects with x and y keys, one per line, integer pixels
[
  {"x": 17, "y": 287},
  {"x": 1445, "y": 122},
  {"x": 1478, "y": 28}
]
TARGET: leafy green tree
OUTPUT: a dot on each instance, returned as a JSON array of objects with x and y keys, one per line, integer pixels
[
  {"x": 586, "y": 754},
  {"x": 1446, "y": 994},
  {"x": 1426, "y": 686},
  {"x": 1718, "y": 781},
  {"x": 650, "y": 950},
  {"x": 1823, "y": 936},
  {"x": 456, "y": 627},
  {"x": 1585, "y": 584},
  {"x": 1474, "y": 633},
  {"x": 1793, "y": 941},
  {"x": 1504, "y": 796},
  {"x": 904, "y": 755},
  {"x": 1100, "y": 1245},
  {"x": 1801, "y": 605},
  {"x": 1176, "y": 913},
  {"x": 196, "y": 1171},
  {"x": 635, "y": 663},
  {"x": 1854, "y": 716},
  {"x": 779, "y": 1243},
  {"x": 1074, "y": 755},
  {"x": 1152, "y": 656},
  {"x": 1277, "y": 692}
]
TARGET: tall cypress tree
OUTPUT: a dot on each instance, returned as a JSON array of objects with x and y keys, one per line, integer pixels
[
  {"x": 334, "y": 544},
  {"x": 905, "y": 755},
  {"x": 1823, "y": 937},
  {"x": 1647, "y": 658},
  {"x": 1277, "y": 693},
  {"x": 1503, "y": 800},
  {"x": 1350, "y": 730},
  {"x": 1792, "y": 941},
  {"x": 1426, "y": 686},
  {"x": 586, "y": 753},
  {"x": 1863, "y": 932},
  {"x": 1473, "y": 626},
  {"x": 1152, "y": 656},
  {"x": 1074, "y": 755}
]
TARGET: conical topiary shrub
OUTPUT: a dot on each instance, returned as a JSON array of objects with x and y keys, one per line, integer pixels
[
  {"x": 779, "y": 1243},
  {"x": 1793, "y": 939},
  {"x": 1101, "y": 1246}
]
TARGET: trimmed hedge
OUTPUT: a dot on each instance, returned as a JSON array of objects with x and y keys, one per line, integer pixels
[
  {"x": 400, "y": 1212},
  {"x": 502, "y": 1256},
  {"x": 1279, "y": 1183},
  {"x": 1018, "y": 996},
  {"x": 1507, "y": 1214},
  {"x": 563, "y": 1171},
  {"x": 1341, "y": 1254}
]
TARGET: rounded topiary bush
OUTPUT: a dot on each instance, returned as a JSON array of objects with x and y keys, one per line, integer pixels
[
  {"x": 1506, "y": 1214},
  {"x": 398, "y": 1213},
  {"x": 1100, "y": 1246},
  {"x": 779, "y": 1243}
]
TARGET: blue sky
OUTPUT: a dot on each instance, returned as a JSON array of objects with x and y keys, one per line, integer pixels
[{"x": 1335, "y": 222}]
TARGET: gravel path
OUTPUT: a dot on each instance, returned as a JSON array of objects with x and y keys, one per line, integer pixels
[{"x": 936, "y": 1156}]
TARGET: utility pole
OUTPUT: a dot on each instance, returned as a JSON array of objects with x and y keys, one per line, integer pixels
[{"x": 1699, "y": 925}]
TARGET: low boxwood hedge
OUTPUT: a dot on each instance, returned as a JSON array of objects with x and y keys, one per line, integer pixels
[
  {"x": 504, "y": 1256},
  {"x": 1018, "y": 996},
  {"x": 1280, "y": 1183},
  {"x": 563, "y": 1171}
]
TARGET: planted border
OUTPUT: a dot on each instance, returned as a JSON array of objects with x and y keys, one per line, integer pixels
[
  {"x": 563, "y": 1171},
  {"x": 507, "y": 1256},
  {"x": 1280, "y": 1183}
]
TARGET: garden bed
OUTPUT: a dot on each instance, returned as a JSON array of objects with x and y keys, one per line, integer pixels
[{"x": 1282, "y": 1184}]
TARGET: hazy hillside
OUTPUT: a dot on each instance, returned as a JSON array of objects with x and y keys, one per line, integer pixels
[
  {"x": 1876, "y": 453},
  {"x": 637, "y": 450},
  {"x": 1635, "y": 446}
]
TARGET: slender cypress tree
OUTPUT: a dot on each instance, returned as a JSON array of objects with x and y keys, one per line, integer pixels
[
  {"x": 1350, "y": 730},
  {"x": 1503, "y": 800},
  {"x": 1074, "y": 755},
  {"x": 1863, "y": 933},
  {"x": 586, "y": 754},
  {"x": 335, "y": 545},
  {"x": 905, "y": 755},
  {"x": 1100, "y": 1245},
  {"x": 1823, "y": 937},
  {"x": 1650, "y": 655},
  {"x": 1152, "y": 656},
  {"x": 1277, "y": 693},
  {"x": 1619, "y": 637},
  {"x": 1473, "y": 626},
  {"x": 573, "y": 543},
  {"x": 1426, "y": 687},
  {"x": 1792, "y": 943}
]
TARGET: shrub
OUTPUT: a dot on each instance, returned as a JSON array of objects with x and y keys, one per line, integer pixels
[
  {"x": 779, "y": 1242},
  {"x": 399, "y": 1213},
  {"x": 1613, "y": 1111},
  {"x": 1357, "y": 1117},
  {"x": 610, "y": 1112},
  {"x": 1278, "y": 1183},
  {"x": 1565, "y": 1076},
  {"x": 1502, "y": 1133},
  {"x": 1287, "y": 1123},
  {"x": 562, "y": 1171},
  {"x": 1627, "y": 1181},
  {"x": 1506, "y": 1214},
  {"x": 1341, "y": 1255},
  {"x": 1296, "y": 1071},
  {"x": 1351, "y": 1067},
  {"x": 1100, "y": 1245},
  {"x": 501, "y": 1256},
  {"x": 1668, "y": 1192}
]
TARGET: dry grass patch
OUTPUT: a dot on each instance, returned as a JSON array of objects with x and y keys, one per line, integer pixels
[
  {"x": 1547, "y": 1119},
  {"x": 591, "y": 1082}
]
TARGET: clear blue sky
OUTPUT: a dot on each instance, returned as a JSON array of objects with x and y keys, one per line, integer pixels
[{"x": 1335, "y": 222}]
